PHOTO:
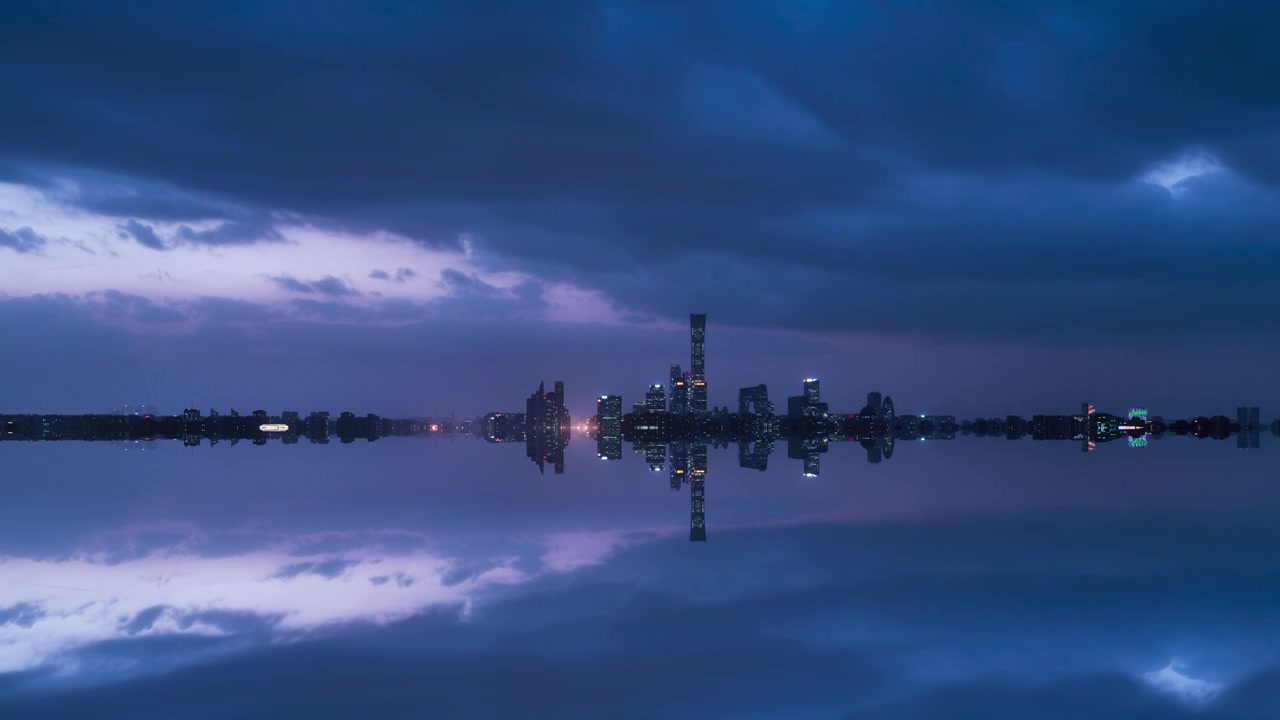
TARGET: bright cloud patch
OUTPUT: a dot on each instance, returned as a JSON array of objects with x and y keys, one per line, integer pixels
[
  {"x": 302, "y": 271},
  {"x": 51, "y": 608},
  {"x": 1189, "y": 690},
  {"x": 1194, "y": 164}
]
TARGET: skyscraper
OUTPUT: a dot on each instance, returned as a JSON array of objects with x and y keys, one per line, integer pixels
[
  {"x": 679, "y": 391},
  {"x": 807, "y": 404},
  {"x": 697, "y": 363},
  {"x": 697, "y": 492},
  {"x": 609, "y": 417},
  {"x": 811, "y": 390},
  {"x": 547, "y": 427},
  {"x": 656, "y": 399},
  {"x": 656, "y": 456},
  {"x": 754, "y": 398},
  {"x": 679, "y": 464}
]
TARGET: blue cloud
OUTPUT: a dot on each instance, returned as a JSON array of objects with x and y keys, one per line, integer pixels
[
  {"x": 23, "y": 240},
  {"x": 807, "y": 148},
  {"x": 328, "y": 285}
]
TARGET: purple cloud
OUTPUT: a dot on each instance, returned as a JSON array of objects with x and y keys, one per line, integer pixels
[
  {"x": 328, "y": 285},
  {"x": 23, "y": 240},
  {"x": 144, "y": 235}
]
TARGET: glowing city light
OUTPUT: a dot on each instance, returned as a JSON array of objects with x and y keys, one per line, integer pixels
[{"x": 274, "y": 428}]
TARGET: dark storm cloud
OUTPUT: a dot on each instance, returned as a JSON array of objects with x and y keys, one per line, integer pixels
[
  {"x": 964, "y": 167},
  {"x": 462, "y": 285},
  {"x": 121, "y": 196},
  {"x": 226, "y": 233},
  {"x": 144, "y": 620},
  {"x": 232, "y": 232},
  {"x": 470, "y": 297},
  {"x": 333, "y": 286},
  {"x": 328, "y": 285},
  {"x": 24, "y": 615},
  {"x": 402, "y": 275},
  {"x": 23, "y": 240},
  {"x": 143, "y": 234},
  {"x": 326, "y": 569},
  {"x": 292, "y": 284},
  {"x": 405, "y": 581}
]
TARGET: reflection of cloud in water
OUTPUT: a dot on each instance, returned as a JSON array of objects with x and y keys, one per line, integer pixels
[
  {"x": 50, "y": 608},
  {"x": 154, "y": 582},
  {"x": 1192, "y": 691},
  {"x": 569, "y": 551}
]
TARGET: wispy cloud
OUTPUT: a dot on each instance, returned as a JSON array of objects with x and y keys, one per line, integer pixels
[
  {"x": 23, "y": 240},
  {"x": 328, "y": 285},
  {"x": 1191, "y": 691},
  {"x": 143, "y": 234},
  {"x": 49, "y": 608},
  {"x": 401, "y": 276}
]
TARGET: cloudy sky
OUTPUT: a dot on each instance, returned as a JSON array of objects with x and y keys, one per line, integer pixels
[
  {"x": 981, "y": 179},
  {"x": 424, "y": 207}
]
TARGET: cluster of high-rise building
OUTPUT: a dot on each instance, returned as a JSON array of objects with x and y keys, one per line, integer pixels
[
  {"x": 672, "y": 427},
  {"x": 544, "y": 427}
]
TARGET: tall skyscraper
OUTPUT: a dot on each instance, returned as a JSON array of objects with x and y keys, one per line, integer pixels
[
  {"x": 679, "y": 391},
  {"x": 697, "y": 492},
  {"x": 807, "y": 404},
  {"x": 697, "y": 363},
  {"x": 609, "y": 417},
  {"x": 679, "y": 464},
  {"x": 656, "y": 456},
  {"x": 655, "y": 400},
  {"x": 811, "y": 390},
  {"x": 875, "y": 404}
]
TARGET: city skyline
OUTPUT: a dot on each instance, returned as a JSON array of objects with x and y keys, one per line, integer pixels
[
  {"x": 674, "y": 414},
  {"x": 488, "y": 359}
]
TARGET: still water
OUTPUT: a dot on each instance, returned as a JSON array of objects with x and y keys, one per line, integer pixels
[{"x": 448, "y": 578}]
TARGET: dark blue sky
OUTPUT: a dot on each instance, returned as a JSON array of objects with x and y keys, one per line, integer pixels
[
  {"x": 981, "y": 178},
  {"x": 417, "y": 207}
]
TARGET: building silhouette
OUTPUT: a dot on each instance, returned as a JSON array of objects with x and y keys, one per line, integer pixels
[
  {"x": 697, "y": 363},
  {"x": 609, "y": 427},
  {"x": 697, "y": 492},
  {"x": 655, "y": 400},
  {"x": 679, "y": 391},
  {"x": 547, "y": 427}
]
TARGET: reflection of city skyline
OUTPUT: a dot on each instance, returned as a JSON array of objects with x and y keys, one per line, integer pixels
[{"x": 671, "y": 426}]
